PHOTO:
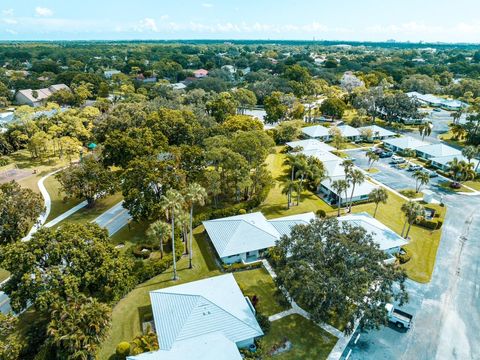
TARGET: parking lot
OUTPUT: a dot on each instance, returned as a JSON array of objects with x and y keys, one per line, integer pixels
[{"x": 397, "y": 179}]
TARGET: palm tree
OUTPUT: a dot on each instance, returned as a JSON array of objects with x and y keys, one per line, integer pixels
[
  {"x": 195, "y": 194},
  {"x": 339, "y": 186},
  {"x": 356, "y": 178},
  {"x": 458, "y": 131},
  {"x": 412, "y": 211},
  {"x": 159, "y": 230},
  {"x": 372, "y": 158},
  {"x": 421, "y": 178},
  {"x": 379, "y": 195},
  {"x": 293, "y": 161},
  {"x": 457, "y": 115},
  {"x": 425, "y": 129},
  {"x": 455, "y": 167},
  {"x": 468, "y": 172},
  {"x": 316, "y": 173},
  {"x": 288, "y": 188},
  {"x": 172, "y": 203},
  {"x": 470, "y": 152},
  {"x": 182, "y": 220}
]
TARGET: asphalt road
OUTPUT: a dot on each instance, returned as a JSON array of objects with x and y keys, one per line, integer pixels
[{"x": 446, "y": 310}]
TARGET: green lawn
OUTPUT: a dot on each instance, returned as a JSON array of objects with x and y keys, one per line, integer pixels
[
  {"x": 126, "y": 314},
  {"x": 129, "y": 235},
  {"x": 89, "y": 214},
  {"x": 410, "y": 193},
  {"x": 446, "y": 186},
  {"x": 424, "y": 243},
  {"x": 275, "y": 204},
  {"x": 59, "y": 205},
  {"x": 258, "y": 282},
  {"x": 475, "y": 184},
  {"x": 308, "y": 340},
  {"x": 3, "y": 274}
]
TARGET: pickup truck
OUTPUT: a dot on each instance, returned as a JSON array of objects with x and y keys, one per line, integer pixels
[
  {"x": 414, "y": 167},
  {"x": 400, "y": 318}
]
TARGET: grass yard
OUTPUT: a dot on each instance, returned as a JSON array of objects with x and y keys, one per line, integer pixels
[
  {"x": 130, "y": 235},
  {"x": 410, "y": 193},
  {"x": 4, "y": 274},
  {"x": 474, "y": 184},
  {"x": 450, "y": 139},
  {"x": 446, "y": 186},
  {"x": 373, "y": 170},
  {"x": 126, "y": 314},
  {"x": 275, "y": 205},
  {"x": 87, "y": 215},
  {"x": 258, "y": 282},
  {"x": 308, "y": 340},
  {"x": 424, "y": 243},
  {"x": 59, "y": 205}
]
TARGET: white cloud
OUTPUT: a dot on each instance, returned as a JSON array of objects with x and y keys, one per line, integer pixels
[
  {"x": 7, "y": 12},
  {"x": 43, "y": 11},
  {"x": 147, "y": 24},
  {"x": 207, "y": 5},
  {"x": 9, "y": 21},
  {"x": 10, "y": 31}
]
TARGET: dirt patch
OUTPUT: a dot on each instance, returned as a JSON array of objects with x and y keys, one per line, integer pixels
[{"x": 14, "y": 174}]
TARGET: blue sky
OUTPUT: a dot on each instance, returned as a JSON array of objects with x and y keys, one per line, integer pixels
[{"x": 374, "y": 20}]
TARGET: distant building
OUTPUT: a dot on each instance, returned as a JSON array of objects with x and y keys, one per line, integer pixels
[
  {"x": 109, "y": 73},
  {"x": 200, "y": 73},
  {"x": 37, "y": 97},
  {"x": 437, "y": 102}
]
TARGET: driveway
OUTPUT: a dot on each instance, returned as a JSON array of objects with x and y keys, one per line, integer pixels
[{"x": 446, "y": 310}]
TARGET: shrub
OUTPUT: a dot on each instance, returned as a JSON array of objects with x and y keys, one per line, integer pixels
[
  {"x": 429, "y": 224},
  {"x": 241, "y": 267},
  {"x": 264, "y": 323},
  {"x": 439, "y": 224},
  {"x": 4, "y": 161},
  {"x": 123, "y": 349},
  {"x": 404, "y": 255},
  {"x": 242, "y": 211},
  {"x": 321, "y": 213}
]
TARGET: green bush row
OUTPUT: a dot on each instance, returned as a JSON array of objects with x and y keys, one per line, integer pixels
[
  {"x": 241, "y": 266},
  {"x": 430, "y": 224}
]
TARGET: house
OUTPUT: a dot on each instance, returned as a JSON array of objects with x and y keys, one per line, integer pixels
[
  {"x": 387, "y": 240},
  {"x": 316, "y": 132},
  {"x": 229, "y": 68},
  {"x": 402, "y": 143},
  {"x": 210, "y": 318},
  {"x": 436, "y": 150},
  {"x": 178, "y": 86},
  {"x": 108, "y": 74},
  {"x": 438, "y": 102},
  {"x": 323, "y": 156},
  {"x": 245, "y": 238},
  {"x": 285, "y": 224},
  {"x": 310, "y": 144},
  {"x": 377, "y": 133},
  {"x": 349, "y": 132},
  {"x": 443, "y": 162},
  {"x": 200, "y": 73},
  {"x": 37, "y": 97}
]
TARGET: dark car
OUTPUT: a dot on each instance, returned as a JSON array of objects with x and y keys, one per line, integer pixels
[
  {"x": 431, "y": 173},
  {"x": 455, "y": 185},
  {"x": 385, "y": 154}
]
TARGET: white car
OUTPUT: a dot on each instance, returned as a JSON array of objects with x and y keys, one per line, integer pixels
[{"x": 398, "y": 159}]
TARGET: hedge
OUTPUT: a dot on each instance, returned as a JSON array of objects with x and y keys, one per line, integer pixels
[
  {"x": 430, "y": 224},
  {"x": 241, "y": 266}
]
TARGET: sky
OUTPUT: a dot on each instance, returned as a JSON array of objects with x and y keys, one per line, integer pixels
[{"x": 355, "y": 20}]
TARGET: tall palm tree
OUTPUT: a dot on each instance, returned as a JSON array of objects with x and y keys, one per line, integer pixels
[
  {"x": 159, "y": 230},
  {"x": 339, "y": 186},
  {"x": 356, "y": 178},
  {"x": 293, "y": 161},
  {"x": 372, "y": 158},
  {"x": 182, "y": 220},
  {"x": 425, "y": 129},
  {"x": 379, "y": 195},
  {"x": 457, "y": 115},
  {"x": 455, "y": 167},
  {"x": 412, "y": 210},
  {"x": 195, "y": 194},
  {"x": 458, "y": 131},
  {"x": 288, "y": 188},
  {"x": 468, "y": 172},
  {"x": 172, "y": 203},
  {"x": 470, "y": 152},
  {"x": 421, "y": 178}
]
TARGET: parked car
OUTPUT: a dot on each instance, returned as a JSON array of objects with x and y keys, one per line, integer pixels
[
  {"x": 398, "y": 159},
  {"x": 455, "y": 185},
  {"x": 437, "y": 110},
  {"x": 430, "y": 173},
  {"x": 414, "y": 167},
  {"x": 400, "y": 318},
  {"x": 385, "y": 154}
]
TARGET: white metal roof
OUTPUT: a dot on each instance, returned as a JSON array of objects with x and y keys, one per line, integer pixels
[
  {"x": 362, "y": 189},
  {"x": 323, "y": 156},
  {"x": 310, "y": 144},
  {"x": 405, "y": 142},
  {"x": 202, "y": 307},
  {"x": 242, "y": 233},
  {"x": 206, "y": 347},
  {"x": 348, "y": 131},
  {"x": 284, "y": 225},
  {"x": 438, "y": 150},
  {"x": 316, "y": 131},
  {"x": 378, "y": 130},
  {"x": 385, "y": 237},
  {"x": 444, "y": 160}
]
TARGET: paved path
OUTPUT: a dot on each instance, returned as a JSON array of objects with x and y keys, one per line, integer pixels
[{"x": 114, "y": 218}]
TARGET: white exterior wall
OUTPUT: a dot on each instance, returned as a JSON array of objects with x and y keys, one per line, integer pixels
[
  {"x": 233, "y": 259},
  {"x": 21, "y": 99},
  {"x": 245, "y": 343}
]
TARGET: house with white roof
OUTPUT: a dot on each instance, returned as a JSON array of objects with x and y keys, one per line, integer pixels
[
  {"x": 323, "y": 156},
  {"x": 387, "y": 240},
  {"x": 436, "y": 150},
  {"x": 402, "y": 143},
  {"x": 37, "y": 97},
  {"x": 210, "y": 318},
  {"x": 375, "y": 132},
  {"x": 349, "y": 132},
  {"x": 245, "y": 238},
  {"x": 317, "y": 132},
  {"x": 285, "y": 224},
  {"x": 443, "y": 162},
  {"x": 435, "y": 101},
  {"x": 108, "y": 74},
  {"x": 310, "y": 144}
]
